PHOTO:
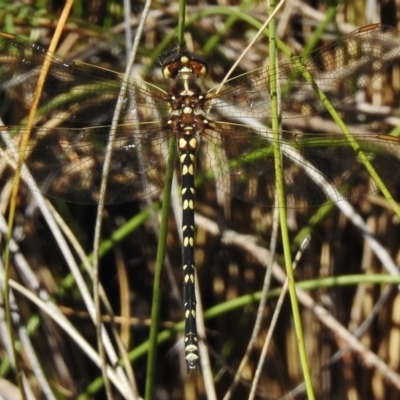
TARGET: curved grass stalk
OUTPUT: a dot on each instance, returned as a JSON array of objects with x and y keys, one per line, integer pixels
[
  {"x": 280, "y": 192},
  {"x": 162, "y": 242},
  {"x": 13, "y": 202}
]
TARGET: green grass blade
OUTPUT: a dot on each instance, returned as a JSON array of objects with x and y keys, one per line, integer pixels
[
  {"x": 280, "y": 189},
  {"x": 156, "y": 301}
]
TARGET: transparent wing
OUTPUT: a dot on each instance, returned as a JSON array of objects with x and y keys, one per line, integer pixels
[
  {"x": 243, "y": 164},
  {"x": 340, "y": 70},
  {"x": 317, "y": 168},
  {"x": 69, "y": 140},
  {"x": 73, "y": 91},
  {"x": 66, "y": 152},
  {"x": 68, "y": 163}
]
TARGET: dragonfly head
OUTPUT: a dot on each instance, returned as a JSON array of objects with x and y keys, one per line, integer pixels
[{"x": 184, "y": 64}]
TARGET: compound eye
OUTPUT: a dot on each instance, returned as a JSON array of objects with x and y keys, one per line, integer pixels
[{"x": 198, "y": 64}]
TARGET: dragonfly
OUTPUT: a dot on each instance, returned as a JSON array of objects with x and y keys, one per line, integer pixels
[{"x": 222, "y": 134}]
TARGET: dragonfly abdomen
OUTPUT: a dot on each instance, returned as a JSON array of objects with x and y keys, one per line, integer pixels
[{"x": 187, "y": 123}]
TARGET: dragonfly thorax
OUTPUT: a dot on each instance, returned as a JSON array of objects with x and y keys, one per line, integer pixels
[{"x": 187, "y": 103}]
